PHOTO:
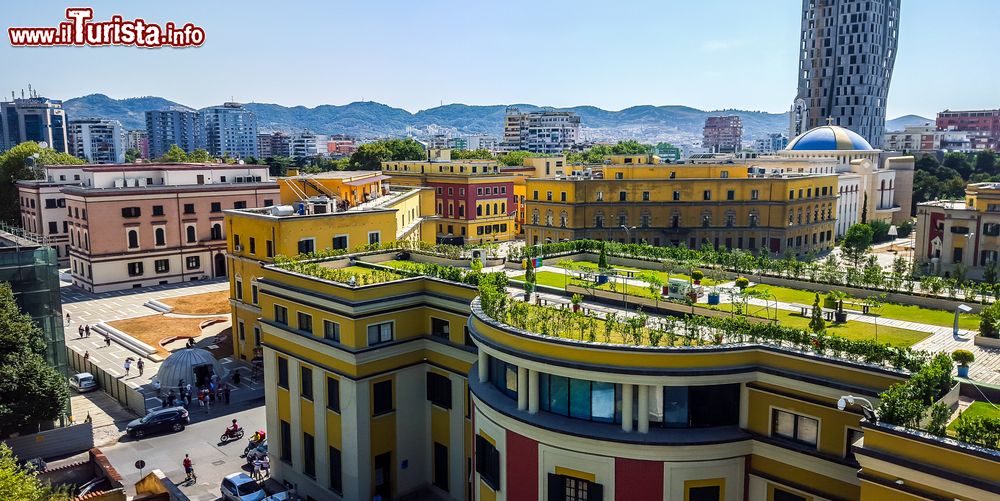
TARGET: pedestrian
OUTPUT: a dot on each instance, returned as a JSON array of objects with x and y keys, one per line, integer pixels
[
  {"x": 236, "y": 378},
  {"x": 225, "y": 393},
  {"x": 86, "y": 356},
  {"x": 80, "y": 330},
  {"x": 86, "y": 329},
  {"x": 156, "y": 385},
  {"x": 68, "y": 321},
  {"x": 189, "y": 469},
  {"x": 107, "y": 339},
  {"x": 140, "y": 365},
  {"x": 170, "y": 398},
  {"x": 128, "y": 365}
]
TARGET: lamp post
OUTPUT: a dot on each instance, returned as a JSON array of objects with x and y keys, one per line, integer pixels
[
  {"x": 962, "y": 308},
  {"x": 628, "y": 232},
  {"x": 893, "y": 232},
  {"x": 866, "y": 406}
]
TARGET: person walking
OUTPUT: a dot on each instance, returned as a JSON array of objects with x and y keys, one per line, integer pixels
[
  {"x": 189, "y": 469},
  {"x": 128, "y": 365},
  {"x": 170, "y": 398},
  {"x": 140, "y": 365},
  {"x": 156, "y": 385},
  {"x": 80, "y": 331},
  {"x": 107, "y": 340},
  {"x": 86, "y": 330},
  {"x": 225, "y": 393},
  {"x": 68, "y": 321},
  {"x": 86, "y": 356}
]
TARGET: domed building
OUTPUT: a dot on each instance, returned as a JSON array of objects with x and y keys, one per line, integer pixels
[
  {"x": 192, "y": 365},
  {"x": 866, "y": 175}
]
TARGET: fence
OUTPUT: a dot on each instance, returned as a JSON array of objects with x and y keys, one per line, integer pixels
[
  {"x": 125, "y": 393},
  {"x": 52, "y": 443}
]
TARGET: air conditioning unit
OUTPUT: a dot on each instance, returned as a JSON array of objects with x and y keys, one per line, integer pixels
[{"x": 237, "y": 248}]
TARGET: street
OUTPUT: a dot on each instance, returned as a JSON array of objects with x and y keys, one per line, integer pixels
[{"x": 165, "y": 451}]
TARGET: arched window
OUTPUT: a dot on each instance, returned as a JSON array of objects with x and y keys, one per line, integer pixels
[
  {"x": 479, "y": 210},
  {"x": 86, "y": 241},
  {"x": 753, "y": 218},
  {"x": 216, "y": 231},
  {"x": 503, "y": 207},
  {"x": 133, "y": 239},
  {"x": 534, "y": 216},
  {"x": 599, "y": 220},
  {"x": 487, "y": 209},
  {"x": 563, "y": 219},
  {"x": 730, "y": 218},
  {"x": 161, "y": 236},
  {"x": 191, "y": 236},
  {"x": 495, "y": 207},
  {"x": 548, "y": 217},
  {"x": 461, "y": 211}
]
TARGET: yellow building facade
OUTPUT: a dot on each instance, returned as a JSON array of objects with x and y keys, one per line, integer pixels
[
  {"x": 256, "y": 236},
  {"x": 727, "y": 206}
]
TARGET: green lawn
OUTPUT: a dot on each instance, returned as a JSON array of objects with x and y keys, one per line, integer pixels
[
  {"x": 559, "y": 280},
  {"x": 360, "y": 270},
  {"x": 662, "y": 275},
  {"x": 909, "y": 313},
  {"x": 977, "y": 409}
]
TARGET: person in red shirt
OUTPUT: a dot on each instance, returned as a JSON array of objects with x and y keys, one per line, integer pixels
[{"x": 189, "y": 469}]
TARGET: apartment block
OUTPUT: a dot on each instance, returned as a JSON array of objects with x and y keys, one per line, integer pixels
[
  {"x": 984, "y": 122},
  {"x": 35, "y": 118},
  {"x": 723, "y": 134},
  {"x": 166, "y": 128},
  {"x": 953, "y": 234},
  {"x": 230, "y": 130},
  {"x": 547, "y": 132},
  {"x": 97, "y": 140}
]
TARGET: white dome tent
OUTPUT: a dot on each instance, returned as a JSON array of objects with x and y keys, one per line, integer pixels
[{"x": 193, "y": 365}]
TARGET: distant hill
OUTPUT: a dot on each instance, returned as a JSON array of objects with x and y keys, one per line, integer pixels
[
  {"x": 371, "y": 119},
  {"x": 898, "y": 124}
]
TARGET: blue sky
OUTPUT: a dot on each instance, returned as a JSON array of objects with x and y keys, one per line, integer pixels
[{"x": 710, "y": 54}]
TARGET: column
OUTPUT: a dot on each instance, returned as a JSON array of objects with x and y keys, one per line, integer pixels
[
  {"x": 355, "y": 432},
  {"x": 271, "y": 400},
  {"x": 319, "y": 427},
  {"x": 522, "y": 388},
  {"x": 484, "y": 366},
  {"x": 295, "y": 406},
  {"x": 643, "y": 408},
  {"x": 532, "y": 391},
  {"x": 626, "y": 407}
]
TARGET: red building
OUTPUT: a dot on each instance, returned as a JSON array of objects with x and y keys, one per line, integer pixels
[{"x": 984, "y": 121}]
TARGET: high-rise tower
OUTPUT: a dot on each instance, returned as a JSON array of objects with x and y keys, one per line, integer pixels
[{"x": 846, "y": 54}]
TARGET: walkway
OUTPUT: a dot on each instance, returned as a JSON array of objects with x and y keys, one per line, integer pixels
[{"x": 986, "y": 368}]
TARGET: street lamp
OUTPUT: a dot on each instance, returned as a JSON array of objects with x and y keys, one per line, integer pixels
[
  {"x": 628, "y": 232},
  {"x": 893, "y": 232},
  {"x": 866, "y": 406},
  {"x": 962, "y": 308}
]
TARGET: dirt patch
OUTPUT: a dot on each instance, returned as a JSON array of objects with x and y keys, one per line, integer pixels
[
  {"x": 152, "y": 329},
  {"x": 209, "y": 303}
]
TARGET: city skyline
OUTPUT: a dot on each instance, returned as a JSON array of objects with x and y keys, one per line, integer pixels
[{"x": 673, "y": 62}]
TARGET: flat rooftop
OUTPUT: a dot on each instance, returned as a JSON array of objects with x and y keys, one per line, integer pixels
[
  {"x": 154, "y": 166},
  {"x": 338, "y": 174}
]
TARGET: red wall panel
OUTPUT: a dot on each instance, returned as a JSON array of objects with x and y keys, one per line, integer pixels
[
  {"x": 638, "y": 480},
  {"x": 522, "y": 468}
]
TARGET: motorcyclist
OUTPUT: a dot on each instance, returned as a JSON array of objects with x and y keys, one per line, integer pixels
[
  {"x": 233, "y": 429},
  {"x": 255, "y": 440}
]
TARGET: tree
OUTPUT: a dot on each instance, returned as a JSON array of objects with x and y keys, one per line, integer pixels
[
  {"x": 816, "y": 323},
  {"x": 278, "y": 166},
  {"x": 630, "y": 147},
  {"x": 986, "y": 162},
  {"x": 173, "y": 155},
  {"x": 15, "y": 166},
  {"x": 405, "y": 149},
  {"x": 602, "y": 260},
  {"x": 514, "y": 158},
  {"x": 370, "y": 156},
  {"x": 864, "y": 210},
  {"x": 856, "y": 243},
  {"x": 199, "y": 156},
  {"x": 132, "y": 154},
  {"x": 22, "y": 483},
  {"x": 480, "y": 154},
  {"x": 31, "y": 391}
]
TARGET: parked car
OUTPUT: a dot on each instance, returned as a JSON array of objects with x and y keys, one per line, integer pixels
[
  {"x": 83, "y": 382},
  {"x": 240, "y": 487},
  {"x": 169, "y": 418},
  {"x": 257, "y": 452},
  {"x": 281, "y": 496}
]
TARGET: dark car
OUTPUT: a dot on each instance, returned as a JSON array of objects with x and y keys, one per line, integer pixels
[{"x": 169, "y": 418}]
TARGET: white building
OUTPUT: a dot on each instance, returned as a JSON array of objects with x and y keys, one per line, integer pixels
[
  {"x": 307, "y": 145},
  {"x": 770, "y": 144},
  {"x": 929, "y": 138},
  {"x": 97, "y": 140},
  {"x": 230, "y": 129},
  {"x": 481, "y": 142},
  {"x": 547, "y": 132}
]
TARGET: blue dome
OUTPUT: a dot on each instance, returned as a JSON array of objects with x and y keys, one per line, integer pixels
[{"x": 828, "y": 138}]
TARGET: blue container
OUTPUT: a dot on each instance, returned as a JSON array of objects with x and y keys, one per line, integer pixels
[
  {"x": 602, "y": 279},
  {"x": 713, "y": 299},
  {"x": 963, "y": 371}
]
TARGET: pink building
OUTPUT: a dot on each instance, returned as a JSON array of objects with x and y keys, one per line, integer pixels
[{"x": 136, "y": 225}]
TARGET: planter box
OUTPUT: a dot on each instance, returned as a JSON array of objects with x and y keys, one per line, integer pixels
[{"x": 987, "y": 342}]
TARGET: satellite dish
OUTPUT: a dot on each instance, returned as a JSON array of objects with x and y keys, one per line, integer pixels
[{"x": 43, "y": 144}]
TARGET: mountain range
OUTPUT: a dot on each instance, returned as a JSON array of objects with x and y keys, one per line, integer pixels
[{"x": 366, "y": 119}]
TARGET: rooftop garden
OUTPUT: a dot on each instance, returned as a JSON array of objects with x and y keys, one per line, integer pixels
[{"x": 641, "y": 329}]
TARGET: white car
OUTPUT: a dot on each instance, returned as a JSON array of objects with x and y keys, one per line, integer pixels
[
  {"x": 83, "y": 382},
  {"x": 240, "y": 487}
]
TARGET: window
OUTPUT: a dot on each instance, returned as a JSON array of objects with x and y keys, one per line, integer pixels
[
  {"x": 267, "y": 201},
  {"x": 600, "y": 196},
  {"x": 622, "y": 196},
  {"x": 677, "y": 196},
  {"x": 336, "y": 475},
  {"x": 374, "y": 237},
  {"x": 731, "y": 195},
  {"x": 305, "y": 322},
  {"x": 253, "y": 292},
  {"x": 283, "y": 372},
  {"x": 240, "y": 204},
  {"x": 853, "y": 435},
  {"x": 724, "y": 174},
  {"x": 562, "y": 197},
  {"x": 192, "y": 236},
  {"x": 160, "y": 236},
  {"x": 281, "y": 314},
  {"x": 701, "y": 406},
  {"x": 50, "y": 203},
  {"x": 488, "y": 462},
  {"x": 333, "y": 394},
  {"x": 645, "y": 196},
  {"x": 130, "y": 212},
  {"x": 253, "y": 241},
  {"x": 379, "y": 333},
  {"x": 707, "y": 195},
  {"x": 340, "y": 242},
  {"x": 306, "y": 382},
  {"x": 503, "y": 376},
  {"x": 439, "y": 390},
  {"x": 216, "y": 206},
  {"x": 794, "y": 427},
  {"x": 307, "y": 245},
  {"x": 135, "y": 269},
  {"x": 309, "y": 455},
  {"x": 382, "y": 397},
  {"x": 440, "y": 328},
  {"x": 754, "y": 194},
  {"x": 189, "y": 208},
  {"x": 161, "y": 265},
  {"x": 270, "y": 248},
  {"x": 133, "y": 239},
  {"x": 53, "y": 227},
  {"x": 566, "y": 488},
  {"x": 783, "y": 495},
  {"x": 193, "y": 262},
  {"x": 441, "y": 466},
  {"x": 286, "y": 441},
  {"x": 704, "y": 493},
  {"x": 331, "y": 331}
]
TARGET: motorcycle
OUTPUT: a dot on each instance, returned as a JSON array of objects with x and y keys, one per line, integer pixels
[{"x": 231, "y": 435}]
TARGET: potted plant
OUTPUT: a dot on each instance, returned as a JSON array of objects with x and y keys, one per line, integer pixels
[
  {"x": 963, "y": 358},
  {"x": 576, "y": 299},
  {"x": 742, "y": 282},
  {"x": 838, "y": 298},
  {"x": 696, "y": 276},
  {"x": 713, "y": 297}
]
